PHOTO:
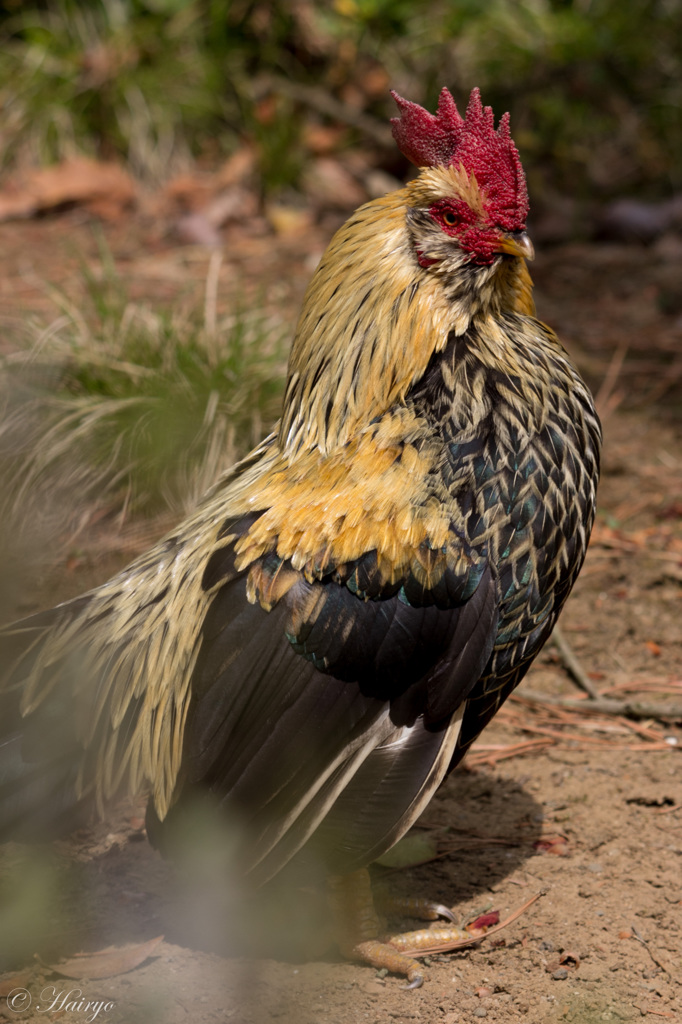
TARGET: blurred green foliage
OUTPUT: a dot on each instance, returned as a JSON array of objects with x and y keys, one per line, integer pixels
[{"x": 594, "y": 86}]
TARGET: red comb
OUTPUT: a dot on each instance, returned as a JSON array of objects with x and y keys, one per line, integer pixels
[{"x": 471, "y": 141}]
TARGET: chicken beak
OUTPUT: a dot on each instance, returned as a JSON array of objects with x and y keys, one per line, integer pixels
[{"x": 517, "y": 243}]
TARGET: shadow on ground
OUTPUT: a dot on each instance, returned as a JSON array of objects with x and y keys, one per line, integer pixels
[{"x": 129, "y": 894}]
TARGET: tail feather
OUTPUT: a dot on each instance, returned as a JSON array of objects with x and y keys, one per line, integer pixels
[{"x": 94, "y": 692}]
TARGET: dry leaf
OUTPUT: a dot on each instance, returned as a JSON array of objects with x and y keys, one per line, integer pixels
[
  {"x": 484, "y": 921},
  {"x": 12, "y": 981},
  {"x": 105, "y": 188},
  {"x": 553, "y": 844},
  {"x": 108, "y": 962}
]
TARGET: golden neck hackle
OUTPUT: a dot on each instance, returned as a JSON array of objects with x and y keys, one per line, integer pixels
[
  {"x": 368, "y": 328},
  {"x": 372, "y": 317}
]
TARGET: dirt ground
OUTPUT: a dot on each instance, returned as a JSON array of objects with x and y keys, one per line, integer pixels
[{"x": 584, "y": 809}]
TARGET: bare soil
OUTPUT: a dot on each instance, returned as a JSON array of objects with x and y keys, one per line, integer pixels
[{"x": 590, "y": 814}]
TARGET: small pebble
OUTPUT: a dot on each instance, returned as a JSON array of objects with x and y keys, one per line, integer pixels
[
  {"x": 480, "y": 1011},
  {"x": 560, "y": 974}
]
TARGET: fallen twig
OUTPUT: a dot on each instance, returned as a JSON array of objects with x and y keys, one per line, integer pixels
[
  {"x": 571, "y": 663},
  {"x": 491, "y": 754},
  {"x": 573, "y": 737},
  {"x": 648, "y": 684},
  {"x": 605, "y": 706},
  {"x": 659, "y": 963},
  {"x": 644, "y": 730}
]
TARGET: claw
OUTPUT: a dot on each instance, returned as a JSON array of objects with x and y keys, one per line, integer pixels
[
  {"x": 426, "y": 910},
  {"x": 416, "y": 982},
  {"x": 443, "y": 911}
]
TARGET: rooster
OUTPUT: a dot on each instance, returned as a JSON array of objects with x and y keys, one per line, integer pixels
[{"x": 322, "y": 640}]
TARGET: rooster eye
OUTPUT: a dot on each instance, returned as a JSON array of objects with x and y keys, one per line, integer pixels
[{"x": 449, "y": 218}]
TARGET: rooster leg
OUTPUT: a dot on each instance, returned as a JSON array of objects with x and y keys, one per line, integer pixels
[{"x": 358, "y": 927}]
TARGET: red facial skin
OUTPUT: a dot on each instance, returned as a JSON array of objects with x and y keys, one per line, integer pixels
[{"x": 456, "y": 219}]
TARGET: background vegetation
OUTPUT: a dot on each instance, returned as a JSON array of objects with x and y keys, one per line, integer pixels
[{"x": 594, "y": 86}]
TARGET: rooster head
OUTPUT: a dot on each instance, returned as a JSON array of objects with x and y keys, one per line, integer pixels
[
  {"x": 407, "y": 271},
  {"x": 472, "y": 184}
]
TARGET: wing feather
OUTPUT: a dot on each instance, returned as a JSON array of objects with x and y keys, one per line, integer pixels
[{"x": 298, "y": 714}]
